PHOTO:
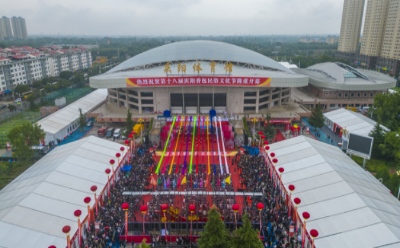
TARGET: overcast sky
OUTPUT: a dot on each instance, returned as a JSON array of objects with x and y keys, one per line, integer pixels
[{"x": 177, "y": 17}]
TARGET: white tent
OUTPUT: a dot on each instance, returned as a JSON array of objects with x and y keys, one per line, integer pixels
[
  {"x": 37, "y": 204},
  {"x": 355, "y": 123},
  {"x": 348, "y": 206},
  {"x": 59, "y": 124}
]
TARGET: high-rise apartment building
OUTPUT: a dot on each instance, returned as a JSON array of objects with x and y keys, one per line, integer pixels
[
  {"x": 351, "y": 26},
  {"x": 391, "y": 40},
  {"x": 19, "y": 28},
  {"x": 374, "y": 27},
  {"x": 5, "y": 27},
  {"x": 1, "y": 36}
]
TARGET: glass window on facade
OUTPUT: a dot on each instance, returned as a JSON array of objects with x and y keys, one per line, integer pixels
[
  {"x": 264, "y": 106},
  {"x": 249, "y": 101},
  {"x": 176, "y": 100},
  {"x": 220, "y": 100},
  {"x": 190, "y": 100},
  {"x": 249, "y": 108},
  {"x": 275, "y": 96},
  {"x": 145, "y": 101},
  {"x": 147, "y": 109},
  {"x": 132, "y": 92},
  {"x": 264, "y": 92},
  {"x": 250, "y": 93},
  {"x": 132, "y": 99},
  {"x": 264, "y": 99},
  {"x": 146, "y": 94},
  {"x": 133, "y": 106},
  {"x": 351, "y": 94},
  {"x": 206, "y": 100}
]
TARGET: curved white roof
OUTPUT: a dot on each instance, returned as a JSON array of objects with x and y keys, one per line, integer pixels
[
  {"x": 343, "y": 77},
  {"x": 199, "y": 50},
  {"x": 348, "y": 206},
  {"x": 36, "y": 205}
]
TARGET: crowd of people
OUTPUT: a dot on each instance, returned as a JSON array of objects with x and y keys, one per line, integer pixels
[{"x": 253, "y": 177}]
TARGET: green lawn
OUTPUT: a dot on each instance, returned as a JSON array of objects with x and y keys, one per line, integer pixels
[
  {"x": 9, "y": 171},
  {"x": 396, "y": 89},
  {"x": 373, "y": 165}
]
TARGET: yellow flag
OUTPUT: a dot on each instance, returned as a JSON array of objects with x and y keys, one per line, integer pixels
[
  {"x": 228, "y": 180},
  {"x": 184, "y": 180}
]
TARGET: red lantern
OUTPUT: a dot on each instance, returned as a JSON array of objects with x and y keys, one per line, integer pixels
[
  {"x": 112, "y": 161},
  {"x": 133, "y": 132},
  {"x": 126, "y": 142},
  {"x": 272, "y": 154},
  {"x": 192, "y": 208},
  {"x": 121, "y": 149},
  {"x": 314, "y": 233},
  {"x": 235, "y": 207},
  {"x": 125, "y": 206},
  {"x": 281, "y": 170},
  {"x": 260, "y": 133},
  {"x": 108, "y": 171},
  {"x": 78, "y": 213},
  {"x": 306, "y": 215},
  {"x": 93, "y": 188},
  {"x": 263, "y": 137},
  {"x": 297, "y": 201},
  {"x": 260, "y": 206},
  {"x": 292, "y": 187},
  {"x": 130, "y": 136},
  {"x": 52, "y": 246},
  {"x": 87, "y": 200},
  {"x": 275, "y": 160},
  {"x": 164, "y": 207},
  {"x": 266, "y": 142},
  {"x": 266, "y": 148},
  {"x": 143, "y": 209},
  {"x": 118, "y": 155},
  {"x": 66, "y": 229}
]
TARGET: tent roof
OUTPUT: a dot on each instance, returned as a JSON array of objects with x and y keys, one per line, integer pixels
[
  {"x": 64, "y": 117},
  {"x": 355, "y": 123},
  {"x": 348, "y": 206},
  {"x": 38, "y": 203}
]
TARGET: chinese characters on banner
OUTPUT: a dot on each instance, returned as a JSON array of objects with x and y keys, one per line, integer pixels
[{"x": 195, "y": 81}]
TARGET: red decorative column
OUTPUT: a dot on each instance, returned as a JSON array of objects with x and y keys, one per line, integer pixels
[
  {"x": 66, "y": 230},
  {"x": 143, "y": 209},
  {"x": 260, "y": 207},
  {"x": 235, "y": 208},
  {"x": 87, "y": 201},
  {"x": 78, "y": 214},
  {"x": 125, "y": 207},
  {"x": 164, "y": 208}
]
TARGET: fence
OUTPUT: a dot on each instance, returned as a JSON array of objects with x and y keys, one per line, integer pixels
[{"x": 70, "y": 95}]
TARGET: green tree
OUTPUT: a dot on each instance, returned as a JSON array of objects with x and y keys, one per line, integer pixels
[
  {"x": 129, "y": 123},
  {"x": 394, "y": 184},
  {"x": 11, "y": 107},
  {"x": 21, "y": 88},
  {"x": 23, "y": 137},
  {"x": 269, "y": 130},
  {"x": 37, "y": 84},
  {"x": 383, "y": 172},
  {"x": 316, "y": 119},
  {"x": 215, "y": 234},
  {"x": 66, "y": 74},
  {"x": 245, "y": 237},
  {"x": 387, "y": 110},
  {"x": 391, "y": 146},
  {"x": 379, "y": 137},
  {"x": 82, "y": 121}
]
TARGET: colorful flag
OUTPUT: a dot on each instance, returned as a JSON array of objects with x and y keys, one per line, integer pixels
[
  {"x": 223, "y": 184},
  {"x": 201, "y": 183},
  {"x": 218, "y": 182},
  {"x": 184, "y": 180},
  {"x": 179, "y": 183},
  {"x": 165, "y": 184},
  {"x": 195, "y": 185},
  {"x": 174, "y": 184},
  {"x": 228, "y": 180},
  {"x": 159, "y": 181},
  {"x": 168, "y": 183}
]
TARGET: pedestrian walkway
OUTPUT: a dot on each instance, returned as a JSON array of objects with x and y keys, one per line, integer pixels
[
  {"x": 322, "y": 134},
  {"x": 76, "y": 135}
]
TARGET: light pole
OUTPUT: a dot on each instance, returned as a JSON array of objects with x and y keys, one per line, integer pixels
[{"x": 192, "y": 208}]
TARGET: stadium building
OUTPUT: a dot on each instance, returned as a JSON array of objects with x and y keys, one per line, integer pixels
[{"x": 194, "y": 77}]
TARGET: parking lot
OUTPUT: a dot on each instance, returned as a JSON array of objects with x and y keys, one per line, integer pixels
[{"x": 98, "y": 126}]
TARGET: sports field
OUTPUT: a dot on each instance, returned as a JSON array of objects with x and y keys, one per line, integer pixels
[{"x": 14, "y": 120}]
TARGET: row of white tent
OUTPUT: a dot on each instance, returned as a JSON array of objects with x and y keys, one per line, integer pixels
[{"x": 59, "y": 124}]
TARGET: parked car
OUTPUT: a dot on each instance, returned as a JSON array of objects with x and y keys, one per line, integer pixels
[
  {"x": 89, "y": 124},
  {"x": 101, "y": 132},
  {"x": 117, "y": 133},
  {"x": 110, "y": 132},
  {"x": 18, "y": 100},
  {"x": 123, "y": 134}
]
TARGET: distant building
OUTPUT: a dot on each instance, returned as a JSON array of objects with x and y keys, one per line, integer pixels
[
  {"x": 332, "y": 39},
  {"x": 19, "y": 28},
  {"x": 5, "y": 28}
]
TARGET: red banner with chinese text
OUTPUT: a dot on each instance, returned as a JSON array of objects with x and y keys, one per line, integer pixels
[{"x": 198, "y": 80}]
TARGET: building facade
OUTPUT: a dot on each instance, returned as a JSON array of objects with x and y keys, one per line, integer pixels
[
  {"x": 332, "y": 39},
  {"x": 19, "y": 28},
  {"x": 350, "y": 28},
  {"x": 21, "y": 67},
  {"x": 5, "y": 28},
  {"x": 194, "y": 77}
]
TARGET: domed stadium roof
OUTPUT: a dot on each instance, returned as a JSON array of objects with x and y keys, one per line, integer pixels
[
  {"x": 199, "y": 50},
  {"x": 340, "y": 76}
]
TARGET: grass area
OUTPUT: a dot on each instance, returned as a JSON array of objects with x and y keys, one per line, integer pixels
[
  {"x": 373, "y": 164},
  {"x": 9, "y": 171},
  {"x": 396, "y": 89}
]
